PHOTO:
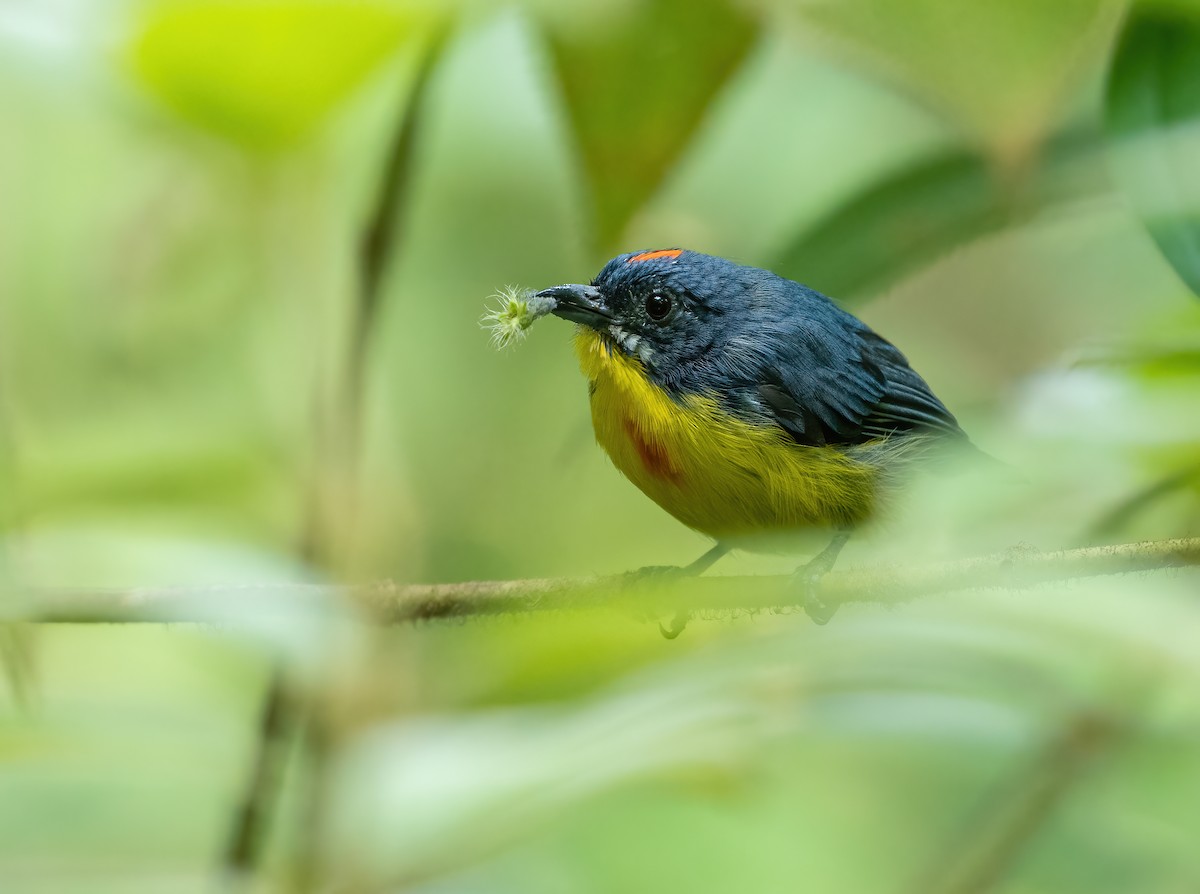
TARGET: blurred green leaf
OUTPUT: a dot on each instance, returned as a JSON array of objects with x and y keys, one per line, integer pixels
[
  {"x": 999, "y": 71},
  {"x": 1153, "y": 117},
  {"x": 1110, "y": 525},
  {"x": 697, "y": 735},
  {"x": 637, "y": 86},
  {"x": 264, "y": 73},
  {"x": 910, "y": 218}
]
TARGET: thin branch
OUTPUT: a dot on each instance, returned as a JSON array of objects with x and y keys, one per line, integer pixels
[
  {"x": 276, "y": 722},
  {"x": 17, "y": 662},
  {"x": 383, "y": 231},
  {"x": 17, "y": 646},
  {"x": 1120, "y": 515},
  {"x": 339, "y": 431},
  {"x": 388, "y": 602},
  {"x": 982, "y": 854}
]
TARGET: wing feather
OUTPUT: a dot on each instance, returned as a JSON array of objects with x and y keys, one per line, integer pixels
[{"x": 828, "y": 379}]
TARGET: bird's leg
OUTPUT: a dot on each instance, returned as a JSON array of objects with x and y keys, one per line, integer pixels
[
  {"x": 692, "y": 569},
  {"x": 706, "y": 561},
  {"x": 809, "y": 577},
  {"x": 675, "y": 572}
]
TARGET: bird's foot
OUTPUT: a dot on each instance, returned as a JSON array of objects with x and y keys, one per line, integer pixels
[
  {"x": 808, "y": 579},
  {"x": 662, "y": 574},
  {"x": 677, "y": 626},
  {"x": 671, "y": 573},
  {"x": 818, "y": 610}
]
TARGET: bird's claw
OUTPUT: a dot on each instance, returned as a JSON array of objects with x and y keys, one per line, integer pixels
[
  {"x": 809, "y": 577},
  {"x": 677, "y": 626},
  {"x": 670, "y": 573},
  {"x": 663, "y": 574},
  {"x": 818, "y": 610}
]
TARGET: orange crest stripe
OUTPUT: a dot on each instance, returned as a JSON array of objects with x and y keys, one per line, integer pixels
[{"x": 651, "y": 255}]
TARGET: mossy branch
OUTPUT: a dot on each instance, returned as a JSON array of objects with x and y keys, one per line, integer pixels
[{"x": 388, "y": 602}]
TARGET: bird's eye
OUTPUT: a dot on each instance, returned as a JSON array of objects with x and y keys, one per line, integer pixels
[{"x": 658, "y": 306}]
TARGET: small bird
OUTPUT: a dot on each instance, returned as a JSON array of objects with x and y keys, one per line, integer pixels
[{"x": 744, "y": 403}]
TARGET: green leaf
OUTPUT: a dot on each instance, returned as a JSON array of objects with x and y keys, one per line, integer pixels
[
  {"x": 1001, "y": 72},
  {"x": 264, "y": 73},
  {"x": 1153, "y": 119},
  {"x": 637, "y": 86},
  {"x": 911, "y": 218}
]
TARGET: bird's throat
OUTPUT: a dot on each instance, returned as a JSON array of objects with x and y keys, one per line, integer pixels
[{"x": 634, "y": 419}]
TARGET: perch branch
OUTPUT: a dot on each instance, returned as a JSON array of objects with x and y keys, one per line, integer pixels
[{"x": 388, "y": 602}]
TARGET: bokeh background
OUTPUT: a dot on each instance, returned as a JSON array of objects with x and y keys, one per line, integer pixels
[{"x": 244, "y": 248}]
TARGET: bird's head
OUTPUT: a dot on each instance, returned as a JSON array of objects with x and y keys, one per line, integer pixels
[{"x": 667, "y": 309}]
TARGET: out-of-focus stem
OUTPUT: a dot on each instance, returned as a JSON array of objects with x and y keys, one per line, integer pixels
[
  {"x": 331, "y": 500},
  {"x": 984, "y": 852},
  {"x": 277, "y": 719}
]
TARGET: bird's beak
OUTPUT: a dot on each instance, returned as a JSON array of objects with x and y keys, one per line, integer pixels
[{"x": 579, "y": 304}]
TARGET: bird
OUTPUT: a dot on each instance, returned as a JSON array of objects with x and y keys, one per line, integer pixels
[{"x": 746, "y": 404}]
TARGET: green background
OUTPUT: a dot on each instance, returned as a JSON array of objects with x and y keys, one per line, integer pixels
[{"x": 199, "y": 385}]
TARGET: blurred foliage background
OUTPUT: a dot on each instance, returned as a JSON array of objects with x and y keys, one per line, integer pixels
[{"x": 244, "y": 246}]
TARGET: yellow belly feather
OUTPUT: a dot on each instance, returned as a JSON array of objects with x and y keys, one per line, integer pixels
[{"x": 713, "y": 472}]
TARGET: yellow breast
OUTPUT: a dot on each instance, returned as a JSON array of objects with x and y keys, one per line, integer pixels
[{"x": 712, "y": 471}]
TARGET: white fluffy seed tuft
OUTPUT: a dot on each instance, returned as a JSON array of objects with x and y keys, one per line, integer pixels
[{"x": 511, "y": 312}]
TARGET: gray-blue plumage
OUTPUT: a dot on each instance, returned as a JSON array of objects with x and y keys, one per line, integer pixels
[{"x": 771, "y": 350}]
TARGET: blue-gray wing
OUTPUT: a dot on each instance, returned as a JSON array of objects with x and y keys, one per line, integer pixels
[{"x": 830, "y": 380}]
